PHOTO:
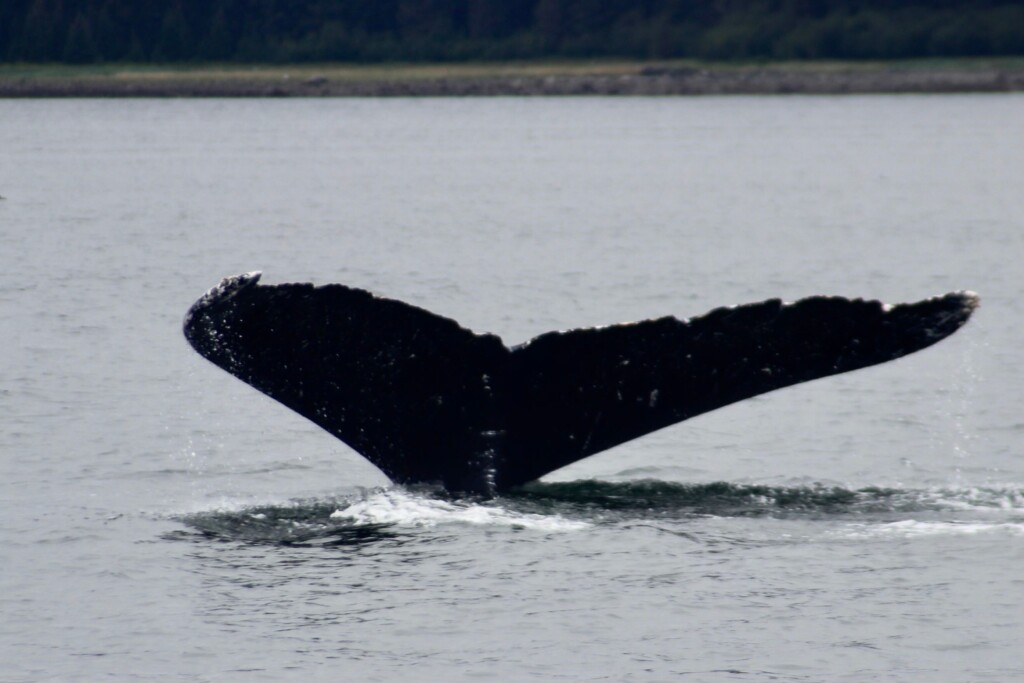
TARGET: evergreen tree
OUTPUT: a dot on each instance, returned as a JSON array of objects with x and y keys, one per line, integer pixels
[
  {"x": 393, "y": 30},
  {"x": 219, "y": 44},
  {"x": 80, "y": 47},
  {"x": 38, "y": 40},
  {"x": 174, "y": 41},
  {"x": 111, "y": 39}
]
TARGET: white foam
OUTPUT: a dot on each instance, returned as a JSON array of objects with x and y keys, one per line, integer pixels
[
  {"x": 397, "y": 507},
  {"x": 996, "y": 499},
  {"x": 911, "y": 528},
  {"x": 231, "y": 505}
]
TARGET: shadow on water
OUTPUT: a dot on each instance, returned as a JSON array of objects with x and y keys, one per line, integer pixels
[
  {"x": 301, "y": 523},
  {"x": 638, "y": 499},
  {"x": 401, "y": 514},
  {"x": 721, "y": 499}
]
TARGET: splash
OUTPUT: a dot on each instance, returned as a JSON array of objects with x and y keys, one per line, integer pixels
[
  {"x": 912, "y": 528},
  {"x": 364, "y": 517},
  {"x": 402, "y": 508}
]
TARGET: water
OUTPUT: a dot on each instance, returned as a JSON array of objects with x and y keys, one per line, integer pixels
[{"x": 161, "y": 520}]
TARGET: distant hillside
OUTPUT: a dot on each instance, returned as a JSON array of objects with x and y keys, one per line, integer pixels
[{"x": 250, "y": 31}]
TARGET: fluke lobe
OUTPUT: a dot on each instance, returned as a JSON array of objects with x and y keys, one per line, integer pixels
[{"x": 426, "y": 400}]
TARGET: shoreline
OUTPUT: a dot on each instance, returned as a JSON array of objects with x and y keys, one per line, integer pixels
[{"x": 521, "y": 80}]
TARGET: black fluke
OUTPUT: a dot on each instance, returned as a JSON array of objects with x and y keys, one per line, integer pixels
[{"x": 426, "y": 400}]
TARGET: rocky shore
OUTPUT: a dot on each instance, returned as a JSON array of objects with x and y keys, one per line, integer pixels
[{"x": 637, "y": 80}]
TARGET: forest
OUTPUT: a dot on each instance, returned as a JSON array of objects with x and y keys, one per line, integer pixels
[{"x": 285, "y": 31}]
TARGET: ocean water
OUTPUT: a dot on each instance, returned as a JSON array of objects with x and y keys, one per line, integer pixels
[{"x": 162, "y": 521}]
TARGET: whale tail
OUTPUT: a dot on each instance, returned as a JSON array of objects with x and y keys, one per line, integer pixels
[{"x": 427, "y": 400}]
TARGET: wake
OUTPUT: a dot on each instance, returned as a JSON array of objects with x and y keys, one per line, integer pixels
[{"x": 558, "y": 508}]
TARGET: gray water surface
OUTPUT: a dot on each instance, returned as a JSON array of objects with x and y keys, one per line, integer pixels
[{"x": 162, "y": 521}]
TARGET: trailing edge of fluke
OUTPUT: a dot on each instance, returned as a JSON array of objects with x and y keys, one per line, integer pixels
[{"x": 426, "y": 400}]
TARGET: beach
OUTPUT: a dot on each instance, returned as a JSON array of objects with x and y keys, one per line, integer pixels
[{"x": 523, "y": 79}]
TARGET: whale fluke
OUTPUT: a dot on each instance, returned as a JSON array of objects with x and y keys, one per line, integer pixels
[{"x": 426, "y": 400}]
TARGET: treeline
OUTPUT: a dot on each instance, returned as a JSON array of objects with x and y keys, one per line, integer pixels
[{"x": 91, "y": 31}]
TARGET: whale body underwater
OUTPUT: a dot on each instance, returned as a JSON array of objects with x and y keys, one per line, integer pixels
[{"x": 426, "y": 400}]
